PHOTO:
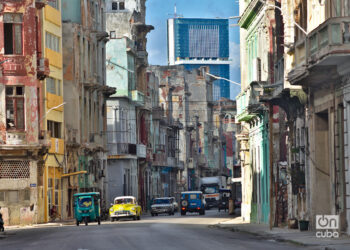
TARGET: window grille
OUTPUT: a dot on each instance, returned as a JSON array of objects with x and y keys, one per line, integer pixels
[{"x": 14, "y": 170}]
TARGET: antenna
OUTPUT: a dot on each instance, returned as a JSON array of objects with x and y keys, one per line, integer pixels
[{"x": 175, "y": 13}]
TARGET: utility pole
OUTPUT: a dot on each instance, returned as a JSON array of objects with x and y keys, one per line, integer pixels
[{"x": 197, "y": 147}]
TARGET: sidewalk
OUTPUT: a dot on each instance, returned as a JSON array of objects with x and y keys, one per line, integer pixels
[
  {"x": 49, "y": 224},
  {"x": 305, "y": 238}
]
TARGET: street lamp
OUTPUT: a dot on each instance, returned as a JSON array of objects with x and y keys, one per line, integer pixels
[
  {"x": 276, "y": 7},
  {"x": 52, "y": 109},
  {"x": 222, "y": 78}
]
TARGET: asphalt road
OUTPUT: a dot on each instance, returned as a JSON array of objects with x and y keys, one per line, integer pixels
[{"x": 150, "y": 233}]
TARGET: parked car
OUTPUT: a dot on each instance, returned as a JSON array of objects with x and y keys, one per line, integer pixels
[
  {"x": 175, "y": 204},
  {"x": 125, "y": 207},
  {"x": 162, "y": 206},
  {"x": 192, "y": 201}
]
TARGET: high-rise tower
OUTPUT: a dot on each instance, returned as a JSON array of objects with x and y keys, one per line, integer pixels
[{"x": 195, "y": 42}]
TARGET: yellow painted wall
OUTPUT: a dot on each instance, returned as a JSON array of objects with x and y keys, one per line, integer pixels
[
  {"x": 57, "y": 146},
  {"x": 54, "y": 57},
  {"x": 53, "y": 101},
  {"x": 52, "y": 15},
  {"x": 52, "y": 24}
]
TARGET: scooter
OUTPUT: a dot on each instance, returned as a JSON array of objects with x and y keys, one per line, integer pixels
[{"x": 2, "y": 229}]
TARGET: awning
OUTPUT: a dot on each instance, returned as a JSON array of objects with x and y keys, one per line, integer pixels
[{"x": 74, "y": 173}]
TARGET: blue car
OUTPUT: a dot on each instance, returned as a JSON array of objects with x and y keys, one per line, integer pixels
[{"x": 193, "y": 202}]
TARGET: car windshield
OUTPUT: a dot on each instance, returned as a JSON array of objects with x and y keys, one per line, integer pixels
[
  {"x": 210, "y": 190},
  {"x": 85, "y": 202},
  {"x": 161, "y": 201},
  {"x": 124, "y": 201}
]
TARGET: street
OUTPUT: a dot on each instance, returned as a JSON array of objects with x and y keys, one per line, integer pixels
[{"x": 162, "y": 232}]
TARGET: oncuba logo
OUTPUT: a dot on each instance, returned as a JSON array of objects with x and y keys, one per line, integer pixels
[{"x": 327, "y": 226}]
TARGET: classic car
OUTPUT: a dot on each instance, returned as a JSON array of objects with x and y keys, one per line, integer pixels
[
  {"x": 162, "y": 206},
  {"x": 125, "y": 207}
]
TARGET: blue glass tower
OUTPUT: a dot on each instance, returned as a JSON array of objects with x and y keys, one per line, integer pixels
[{"x": 196, "y": 42}]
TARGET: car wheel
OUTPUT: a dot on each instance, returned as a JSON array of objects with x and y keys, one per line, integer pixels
[{"x": 156, "y": 214}]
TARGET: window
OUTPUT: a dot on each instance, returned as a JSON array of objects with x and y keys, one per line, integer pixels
[
  {"x": 53, "y": 86},
  {"x": 12, "y": 196},
  {"x": 15, "y": 107},
  {"x": 54, "y": 128},
  {"x": 13, "y": 34},
  {"x": 54, "y": 4},
  {"x": 118, "y": 5},
  {"x": 52, "y": 42},
  {"x": 2, "y": 196}
]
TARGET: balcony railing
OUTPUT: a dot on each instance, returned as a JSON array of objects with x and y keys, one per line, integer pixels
[
  {"x": 330, "y": 38},
  {"x": 171, "y": 162},
  {"x": 138, "y": 97},
  {"x": 116, "y": 149},
  {"x": 160, "y": 159}
]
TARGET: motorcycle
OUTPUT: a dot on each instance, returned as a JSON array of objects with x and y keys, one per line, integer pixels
[{"x": 2, "y": 229}]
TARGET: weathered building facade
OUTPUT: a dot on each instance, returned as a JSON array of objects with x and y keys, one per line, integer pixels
[
  {"x": 23, "y": 141},
  {"x": 255, "y": 43},
  {"x": 85, "y": 93},
  {"x": 53, "y": 111},
  {"x": 321, "y": 67},
  {"x": 129, "y": 109}
]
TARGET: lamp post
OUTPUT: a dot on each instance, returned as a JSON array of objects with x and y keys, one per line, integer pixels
[
  {"x": 276, "y": 7},
  {"x": 222, "y": 78},
  {"x": 51, "y": 110}
]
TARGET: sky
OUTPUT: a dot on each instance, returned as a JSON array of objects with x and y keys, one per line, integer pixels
[{"x": 158, "y": 11}]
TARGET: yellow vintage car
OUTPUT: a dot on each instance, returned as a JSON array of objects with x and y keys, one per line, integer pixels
[{"x": 125, "y": 207}]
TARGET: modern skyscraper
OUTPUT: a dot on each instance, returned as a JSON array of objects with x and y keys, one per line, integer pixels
[{"x": 195, "y": 42}]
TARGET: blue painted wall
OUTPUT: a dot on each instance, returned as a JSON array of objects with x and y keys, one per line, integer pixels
[{"x": 71, "y": 11}]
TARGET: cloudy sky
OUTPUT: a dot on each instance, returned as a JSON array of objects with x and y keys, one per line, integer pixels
[{"x": 158, "y": 11}]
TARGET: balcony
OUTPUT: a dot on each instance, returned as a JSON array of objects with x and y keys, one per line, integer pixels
[
  {"x": 160, "y": 147},
  {"x": 158, "y": 113},
  {"x": 138, "y": 97},
  {"x": 171, "y": 162},
  {"x": 43, "y": 69},
  {"x": 248, "y": 102},
  {"x": 13, "y": 65},
  {"x": 202, "y": 161},
  {"x": 323, "y": 53},
  {"x": 57, "y": 146},
  {"x": 141, "y": 151},
  {"x": 122, "y": 150},
  {"x": 160, "y": 159}
]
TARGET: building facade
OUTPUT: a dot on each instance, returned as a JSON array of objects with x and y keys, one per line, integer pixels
[
  {"x": 128, "y": 109},
  {"x": 53, "y": 110},
  {"x": 23, "y": 139},
  {"x": 196, "y": 42},
  {"x": 85, "y": 93}
]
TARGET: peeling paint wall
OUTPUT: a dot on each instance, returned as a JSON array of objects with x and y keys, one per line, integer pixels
[{"x": 20, "y": 149}]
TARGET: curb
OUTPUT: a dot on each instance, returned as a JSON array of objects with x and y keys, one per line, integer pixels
[{"x": 264, "y": 235}]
